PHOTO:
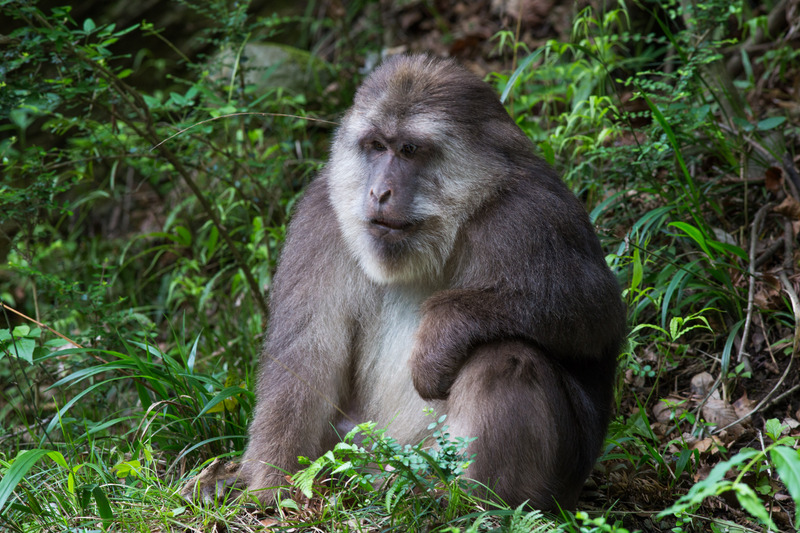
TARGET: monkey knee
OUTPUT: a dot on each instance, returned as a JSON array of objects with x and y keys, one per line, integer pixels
[
  {"x": 532, "y": 444},
  {"x": 503, "y": 391},
  {"x": 504, "y": 368}
]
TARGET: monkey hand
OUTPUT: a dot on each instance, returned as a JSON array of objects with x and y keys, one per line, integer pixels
[
  {"x": 436, "y": 359},
  {"x": 453, "y": 322},
  {"x": 430, "y": 382}
]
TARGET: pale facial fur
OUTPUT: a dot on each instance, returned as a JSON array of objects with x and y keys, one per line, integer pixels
[{"x": 446, "y": 198}]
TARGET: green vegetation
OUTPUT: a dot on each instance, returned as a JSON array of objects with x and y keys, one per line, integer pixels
[{"x": 139, "y": 230}]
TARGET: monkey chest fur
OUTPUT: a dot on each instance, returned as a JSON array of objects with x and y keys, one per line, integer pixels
[{"x": 384, "y": 389}]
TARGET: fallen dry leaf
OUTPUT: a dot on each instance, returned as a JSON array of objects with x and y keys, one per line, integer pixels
[
  {"x": 705, "y": 445},
  {"x": 773, "y": 179},
  {"x": 790, "y": 423},
  {"x": 743, "y": 406},
  {"x": 789, "y": 207},
  {"x": 664, "y": 408},
  {"x": 270, "y": 522},
  {"x": 719, "y": 412},
  {"x": 701, "y": 383}
]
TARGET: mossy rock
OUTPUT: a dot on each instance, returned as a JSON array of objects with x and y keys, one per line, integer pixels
[{"x": 269, "y": 65}]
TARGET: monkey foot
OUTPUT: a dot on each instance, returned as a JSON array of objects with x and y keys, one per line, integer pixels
[{"x": 216, "y": 481}]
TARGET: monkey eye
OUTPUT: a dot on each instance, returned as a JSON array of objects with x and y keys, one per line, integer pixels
[
  {"x": 378, "y": 146},
  {"x": 408, "y": 149}
]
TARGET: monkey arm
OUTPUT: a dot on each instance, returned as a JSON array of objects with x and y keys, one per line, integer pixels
[
  {"x": 529, "y": 268},
  {"x": 456, "y": 321},
  {"x": 304, "y": 372}
]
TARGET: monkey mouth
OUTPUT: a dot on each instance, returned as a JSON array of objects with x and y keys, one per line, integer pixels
[
  {"x": 389, "y": 229},
  {"x": 388, "y": 224}
]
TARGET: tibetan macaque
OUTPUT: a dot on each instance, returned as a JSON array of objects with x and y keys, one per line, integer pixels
[{"x": 437, "y": 262}]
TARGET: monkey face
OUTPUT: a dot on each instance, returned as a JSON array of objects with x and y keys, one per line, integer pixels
[
  {"x": 386, "y": 186},
  {"x": 391, "y": 188},
  {"x": 392, "y": 207}
]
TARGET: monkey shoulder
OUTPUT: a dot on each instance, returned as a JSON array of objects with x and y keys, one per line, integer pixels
[
  {"x": 318, "y": 288},
  {"x": 314, "y": 258},
  {"x": 536, "y": 218},
  {"x": 534, "y": 243},
  {"x": 313, "y": 239}
]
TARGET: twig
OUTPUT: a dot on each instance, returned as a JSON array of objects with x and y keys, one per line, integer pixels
[
  {"x": 788, "y": 245},
  {"x": 759, "y": 219},
  {"x": 787, "y": 287},
  {"x": 788, "y": 249},
  {"x": 767, "y": 253},
  {"x": 783, "y": 395},
  {"x": 310, "y": 119},
  {"x": 45, "y": 326}
]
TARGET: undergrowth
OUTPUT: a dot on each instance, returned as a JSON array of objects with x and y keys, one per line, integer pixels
[{"x": 140, "y": 230}]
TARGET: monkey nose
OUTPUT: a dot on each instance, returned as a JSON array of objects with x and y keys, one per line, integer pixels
[{"x": 381, "y": 196}]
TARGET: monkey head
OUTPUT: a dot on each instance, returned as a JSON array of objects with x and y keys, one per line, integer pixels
[{"x": 404, "y": 179}]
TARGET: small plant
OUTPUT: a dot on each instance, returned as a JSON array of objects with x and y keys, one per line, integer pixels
[
  {"x": 21, "y": 343},
  {"x": 378, "y": 466},
  {"x": 586, "y": 524},
  {"x": 728, "y": 476}
]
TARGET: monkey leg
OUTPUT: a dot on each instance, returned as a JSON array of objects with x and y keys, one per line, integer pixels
[
  {"x": 287, "y": 423},
  {"x": 538, "y": 428}
]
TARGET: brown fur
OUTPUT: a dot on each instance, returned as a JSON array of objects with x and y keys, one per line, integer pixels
[{"x": 483, "y": 294}]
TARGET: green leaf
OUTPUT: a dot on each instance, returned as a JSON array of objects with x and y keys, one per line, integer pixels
[
  {"x": 520, "y": 69},
  {"x": 22, "y": 463},
  {"x": 752, "y": 504},
  {"x": 696, "y": 235},
  {"x": 712, "y": 485},
  {"x": 304, "y": 479},
  {"x": 22, "y": 349},
  {"x": 743, "y": 124},
  {"x": 770, "y": 123},
  {"x": 601, "y": 207},
  {"x": 103, "y": 505},
  {"x": 673, "y": 286},
  {"x": 773, "y": 428},
  {"x": 128, "y": 468},
  {"x": 184, "y": 236},
  {"x": 638, "y": 270},
  {"x": 151, "y": 101},
  {"x": 729, "y": 248},
  {"x": 548, "y": 152},
  {"x": 211, "y": 242},
  {"x": 225, "y": 399},
  {"x": 21, "y": 331},
  {"x": 787, "y": 463},
  {"x": 89, "y": 25}
]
